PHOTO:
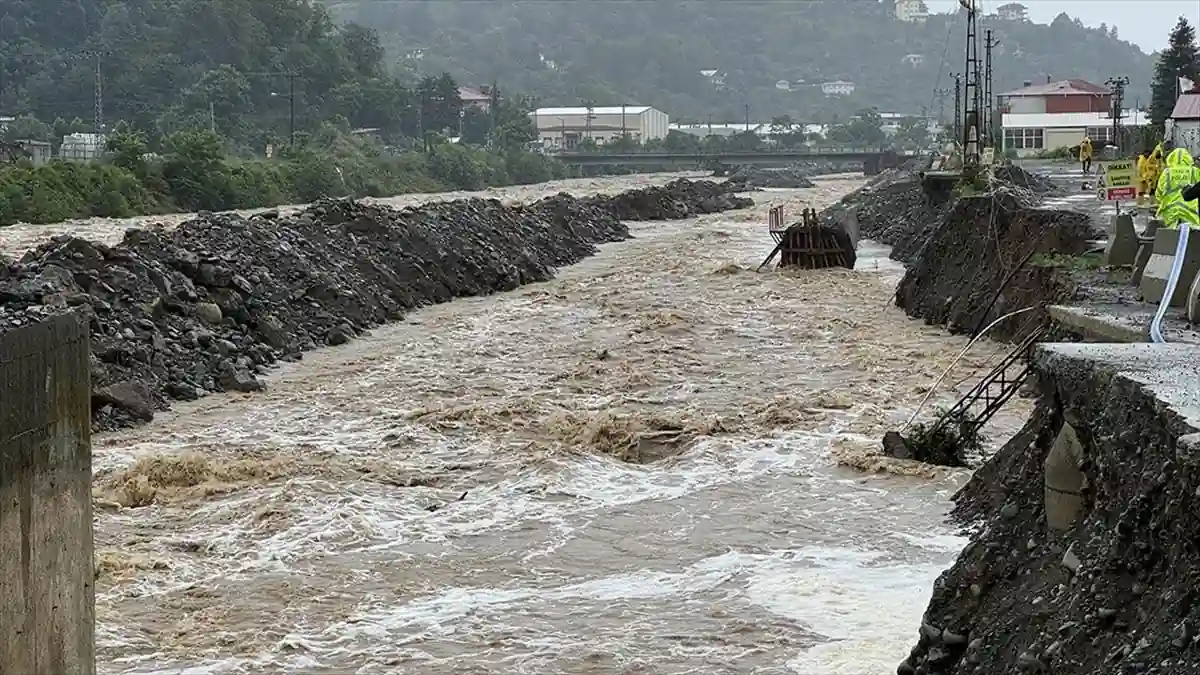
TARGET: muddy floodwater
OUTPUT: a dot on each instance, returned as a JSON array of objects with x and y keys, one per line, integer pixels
[{"x": 652, "y": 464}]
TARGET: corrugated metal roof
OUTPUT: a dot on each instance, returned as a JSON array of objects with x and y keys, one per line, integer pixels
[
  {"x": 1132, "y": 118},
  {"x": 1060, "y": 87},
  {"x": 598, "y": 110},
  {"x": 1187, "y": 107}
]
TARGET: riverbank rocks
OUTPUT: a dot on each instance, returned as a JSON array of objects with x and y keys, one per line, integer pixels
[
  {"x": 758, "y": 177},
  {"x": 210, "y": 305}
]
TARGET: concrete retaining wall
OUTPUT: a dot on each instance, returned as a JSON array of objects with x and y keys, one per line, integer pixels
[{"x": 47, "y": 601}]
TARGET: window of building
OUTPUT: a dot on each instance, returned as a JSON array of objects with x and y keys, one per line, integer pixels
[
  {"x": 1100, "y": 135},
  {"x": 1024, "y": 139}
]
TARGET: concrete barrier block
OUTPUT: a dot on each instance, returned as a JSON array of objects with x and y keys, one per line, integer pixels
[
  {"x": 1153, "y": 282},
  {"x": 1122, "y": 245},
  {"x": 1144, "y": 250},
  {"x": 47, "y": 600}
]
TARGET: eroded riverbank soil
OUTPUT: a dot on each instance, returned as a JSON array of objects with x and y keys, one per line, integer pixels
[{"x": 1118, "y": 592}]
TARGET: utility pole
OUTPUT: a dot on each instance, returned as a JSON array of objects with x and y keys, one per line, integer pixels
[
  {"x": 624, "y": 131},
  {"x": 989, "y": 123},
  {"x": 212, "y": 117},
  {"x": 493, "y": 104},
  {"x": 958, "y": 108},
  {"x": 1117, "y": 84},
  {"x": 99, "y": 93},
  {"x": 941, "y": 93},
  {"x": 747, "y": 109},
  {"x": 972, "y": 93},
  {"x": 292, "y": 110}
]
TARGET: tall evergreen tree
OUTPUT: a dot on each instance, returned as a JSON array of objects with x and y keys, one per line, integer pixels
[{"x": 1179, "y": 60}]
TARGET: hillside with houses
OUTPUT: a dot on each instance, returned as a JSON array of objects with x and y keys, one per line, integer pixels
[{"x": 705, "y": 59}]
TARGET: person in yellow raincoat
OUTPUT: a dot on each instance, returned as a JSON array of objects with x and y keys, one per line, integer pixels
[
  {"x": 1141, "y": 179},
  {"x": 1181, "y": 173},
  {"x": 1154, "y": 165},
  {"x": 1085, "y": 154}
]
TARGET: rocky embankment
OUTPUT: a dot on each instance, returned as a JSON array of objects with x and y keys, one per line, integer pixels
[
  {"x": 1084, "y": 555},
  {"x": 210, "y": 305},
  {"x": 794, "y": 176}
]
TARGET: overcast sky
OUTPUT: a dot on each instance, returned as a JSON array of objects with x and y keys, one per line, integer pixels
[{"x": 1145, "y": 23}]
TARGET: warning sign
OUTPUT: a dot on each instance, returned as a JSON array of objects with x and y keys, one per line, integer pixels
[
  {"x": 1118, "y": 181},
  {"x": 1120, "y": 174}
]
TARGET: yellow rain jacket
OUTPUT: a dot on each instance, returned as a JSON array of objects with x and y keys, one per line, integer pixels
[
  {"x": 1141, "y": 173},
  {"x": 1154, "y": 167},
  {"x": 1181, "y": 172},
  {"x": 1085, "y": 149}
]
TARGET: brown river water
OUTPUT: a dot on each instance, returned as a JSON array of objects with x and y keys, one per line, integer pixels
[{"x": 656, "y": 463}]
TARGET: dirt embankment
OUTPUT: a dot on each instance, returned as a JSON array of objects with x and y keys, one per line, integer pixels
[
  {"x": 1119, "y": 591},
  {"x": 990, "y": 255},
  {"x": 972, "y": 258},
  {"x": 208, "y": 306}
]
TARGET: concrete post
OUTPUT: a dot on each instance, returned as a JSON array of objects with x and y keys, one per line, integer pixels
[
  {"x": 1122, "y": 245},
  {"x": 1064, "y": 480},
  {"x": 47, "y": 600}
]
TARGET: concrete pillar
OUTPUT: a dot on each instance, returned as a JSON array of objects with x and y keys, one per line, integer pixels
[
  {"x": 1122, "y": 245},
  {"x": 47, "y": 601},
  {"x": 1154, "y": 278},
  {"x": 1064, "y": 480},
  {"x": 1145, "y": 248},
  {"x": 1193, "y": 301}
]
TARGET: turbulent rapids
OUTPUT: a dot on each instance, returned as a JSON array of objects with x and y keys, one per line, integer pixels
[{"x": 651, "y": 463}]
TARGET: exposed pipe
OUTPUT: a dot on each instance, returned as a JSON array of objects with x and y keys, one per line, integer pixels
[{"x": 1156, "y": 335}]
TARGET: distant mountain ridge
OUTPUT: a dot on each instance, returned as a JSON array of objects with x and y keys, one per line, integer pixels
[{"x": 709, "y": 59}]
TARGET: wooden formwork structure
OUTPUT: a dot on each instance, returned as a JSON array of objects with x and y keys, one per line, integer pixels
[{"x": 805, "y": 243}]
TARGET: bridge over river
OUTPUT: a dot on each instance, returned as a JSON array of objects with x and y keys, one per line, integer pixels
[{"x": 873, "y": 159}]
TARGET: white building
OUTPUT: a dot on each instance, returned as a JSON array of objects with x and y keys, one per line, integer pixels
[
  {"x": 912, "y": 11},
  {"x": 1183, "y": 126},
  {"x": 837, "y": 88},
  {"x": 1030, "y": 133},
  {"x": 82, "y": 147},
  {"x": 565, "y": 128},
  {"x": 1013, "y": 11}
]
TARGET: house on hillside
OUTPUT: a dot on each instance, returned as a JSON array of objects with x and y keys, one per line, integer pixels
[
  {"x": 837, "y": 88},
  {"x": 5, "y": 120},
  {"x": 82, "y": 147},
  {"x": 479, "y": 98},
  {"x": 912, "y": 11},
  {"x": 1013, "y": 11},
  {"x": 1183, "y": 126}
]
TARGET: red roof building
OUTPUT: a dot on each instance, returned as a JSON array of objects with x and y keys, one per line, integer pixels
[{"x": 1063, "y": 96}]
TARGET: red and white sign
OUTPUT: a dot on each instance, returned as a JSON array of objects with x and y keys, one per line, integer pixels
[{"x": 1120, "y": 194}]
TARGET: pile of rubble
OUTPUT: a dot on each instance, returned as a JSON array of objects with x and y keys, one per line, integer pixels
[
  {"x": 208, "y": 306},
  {"x": 749, "y": 177}
]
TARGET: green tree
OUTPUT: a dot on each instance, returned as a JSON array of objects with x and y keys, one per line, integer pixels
[
  {"x": 865, "y": 128},
  {"x": 28, "y": 128},
  {"x": 1178, "y": 60},
  {"x": 127, "y": 150},
  {"x": 195, "y": 171},
  {"x": 913, "y": 132}
]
